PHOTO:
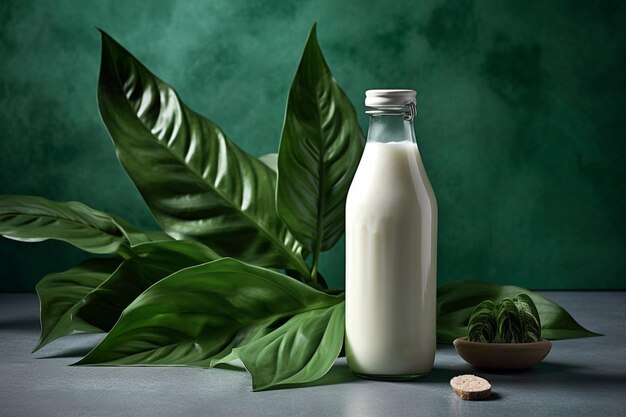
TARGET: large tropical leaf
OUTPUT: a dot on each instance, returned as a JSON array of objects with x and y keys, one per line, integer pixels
[
  {"x": 198, "y": 315},
  {"x": 197, "y": 183},
  {"x": 152, "y": 262},
  {"x": 92, "y": 296},
  {"x": 61, "y": 294},
  {"x": 456, "y": 301},
  {"x": 137, "y": 237},
  {"x": 320, "y": 148},
  {"x": 301, "y": 350},
  {"x": 35, "y": 219}
]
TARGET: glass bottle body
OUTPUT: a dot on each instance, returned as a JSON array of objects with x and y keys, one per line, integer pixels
[{"x": 391, "y": 243}]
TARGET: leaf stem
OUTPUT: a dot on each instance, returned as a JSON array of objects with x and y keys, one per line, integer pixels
[
  {"x": 125, "y": 251},
  {"x": 316, "y": 258}
]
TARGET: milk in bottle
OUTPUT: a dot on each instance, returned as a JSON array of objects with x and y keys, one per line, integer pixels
[{"x": 391, "y": 246}]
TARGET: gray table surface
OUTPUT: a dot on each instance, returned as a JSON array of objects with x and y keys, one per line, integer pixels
[{"x": 579, "y": 377}]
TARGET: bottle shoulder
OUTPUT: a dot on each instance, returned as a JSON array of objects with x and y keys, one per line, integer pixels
[
  {"x": 391, "y": 168},
  {"x": 391, "y": 197}
]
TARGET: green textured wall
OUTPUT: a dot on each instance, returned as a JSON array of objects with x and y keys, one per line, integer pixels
[{"x": 522, "y": 120}]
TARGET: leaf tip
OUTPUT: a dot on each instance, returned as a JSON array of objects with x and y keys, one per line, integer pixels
[
  {"x": 44, "y": 339},
  {"x": 103, "y": 33},
  {"x": 81, "y": 362},
  {"x": 108, "y": 42},
  {"x": 262, "y": 387},
  {"x": 312, "y": 35}
]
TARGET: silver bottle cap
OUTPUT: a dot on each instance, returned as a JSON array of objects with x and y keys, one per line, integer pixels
[{"x": 392, "y": 98}]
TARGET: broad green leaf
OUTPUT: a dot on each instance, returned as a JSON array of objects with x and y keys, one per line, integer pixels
[
  {"x": 137, "y": 237},
  {"x": 447, "y": 334},
  {"x": 35, "y": 219},
  {"x": 320, "y": 148},
  {"x": 152, "y": 262},
  {"x": 197, "y": 183},
  {"x": 482, "y": 325},
  {"x": 301, "y": 350},
  {"x": 61, "y": 294},
  {"x": 198, "y": 315},
  {"x": 92, "y": 296},
  {"x": 456, "y": 301}
]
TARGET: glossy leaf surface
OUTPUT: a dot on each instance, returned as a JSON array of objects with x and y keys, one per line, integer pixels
[
  {"x": 301, "y": 350},
  {"x": 152, "y": 262},
  {"x": 198, "y": 315},
  {"x": 456, "y": 301},
  {"x": 197, "y": 183},
  {"x": 61, "y": 295},
  {"x": 320, "y": 148},
  {"x": 35, "y": 219}
]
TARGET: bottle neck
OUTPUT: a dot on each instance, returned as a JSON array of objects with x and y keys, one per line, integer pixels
[{"x": 386, "y": 128}]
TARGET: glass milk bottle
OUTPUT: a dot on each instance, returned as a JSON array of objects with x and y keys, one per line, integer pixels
[{"x": 391, "y": 248}]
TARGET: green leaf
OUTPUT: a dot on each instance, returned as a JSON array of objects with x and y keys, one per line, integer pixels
[
  {"x": 61, "y": 295},
  {"x": 198, "y": 315},
  {"x": 137, "y": 237},
  {"x": 482, "y": 325},
  {"x": 301, "y": 350},
  {"x": 320, "y": 148},
  {"x": 529, "y": 318},
  {"x": 35, "y": 219},
  {"x": 197, "y": 183},
  {"x": 456, "y": 301},
  {"x": 510, "y": 329},
  {"x": 152, "y": 262}
]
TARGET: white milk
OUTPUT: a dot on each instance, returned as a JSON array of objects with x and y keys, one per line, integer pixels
[{"x": 391, "y": 242}]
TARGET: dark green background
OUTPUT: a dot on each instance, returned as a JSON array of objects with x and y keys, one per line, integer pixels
[{"x": 522, "y": 122}]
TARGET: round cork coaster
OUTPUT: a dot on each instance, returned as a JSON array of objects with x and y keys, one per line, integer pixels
[{"x": 471, "y": 387}]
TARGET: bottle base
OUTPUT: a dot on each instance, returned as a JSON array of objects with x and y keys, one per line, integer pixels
[{"x": 392, "y": 378}]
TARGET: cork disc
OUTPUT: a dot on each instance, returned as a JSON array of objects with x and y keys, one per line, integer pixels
[{"x": 471, "y": 387}]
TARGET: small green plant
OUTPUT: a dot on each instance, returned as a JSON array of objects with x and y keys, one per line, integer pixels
[{"x": 512, "y": 320}]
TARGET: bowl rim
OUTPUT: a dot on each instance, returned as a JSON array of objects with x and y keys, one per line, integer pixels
[{"x": 463, "y": 341}]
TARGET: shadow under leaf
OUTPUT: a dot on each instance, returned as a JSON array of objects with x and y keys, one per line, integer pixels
[{"x": 20, "y": 323}]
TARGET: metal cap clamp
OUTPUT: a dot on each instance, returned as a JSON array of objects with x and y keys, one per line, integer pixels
[{"x": 411, "y": 111}]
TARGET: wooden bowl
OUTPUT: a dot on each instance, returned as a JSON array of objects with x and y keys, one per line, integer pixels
[{"x": 502, "y": 356}]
